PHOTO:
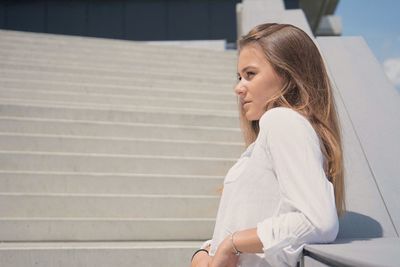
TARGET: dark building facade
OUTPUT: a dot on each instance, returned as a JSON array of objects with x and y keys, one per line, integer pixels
[{"x": 144, "y": 20}]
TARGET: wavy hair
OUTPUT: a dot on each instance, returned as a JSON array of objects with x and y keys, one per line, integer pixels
[{"x": 306, "y": 89}]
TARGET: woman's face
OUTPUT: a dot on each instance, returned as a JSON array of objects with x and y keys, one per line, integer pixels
[{"x": 257, "y": 81}]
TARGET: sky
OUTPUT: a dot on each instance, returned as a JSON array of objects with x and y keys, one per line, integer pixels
[{"x": 378, "y": 21}]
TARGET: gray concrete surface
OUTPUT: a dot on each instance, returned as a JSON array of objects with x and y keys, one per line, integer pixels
[
  {"x": 372, "y": 106},
  {"x": 104, "y": 141},
  {"x": 101, "y": 254},
  {"x": 374, "y": 252}
]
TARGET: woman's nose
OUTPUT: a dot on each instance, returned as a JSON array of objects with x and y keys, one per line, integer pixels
[{"x": 239, "y": 88}]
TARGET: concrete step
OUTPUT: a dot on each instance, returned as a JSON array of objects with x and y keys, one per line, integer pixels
[
  {"x": 29, "y": 125},
  {"x": 123, "y": 146},
  {"x": 173, "y": 58},
  {"x": 212, "y": 93},
  {"x": 116, "y": 65},
  {"x": 107, "y": 205},
  {"x": 215, "y": 45},
  {"x": 104, "y": 140},
  {"x": 104, "y": 229},
  {"x": 124, "y": 64},
  {"x": 118, "y": 101},
  {"x": 201, "y": 83},
  {"x": 106, "y": 163},
  {"x": 115, "y": 107},
  {"x": 103, "y": 183},
  {"x": 162, "y": 116},
  {"x": 143, "y": 74},
  {"x": 109, "y": 46},
  {"x": 120, "y": 65},
  {"x": 99, "y": 254}
]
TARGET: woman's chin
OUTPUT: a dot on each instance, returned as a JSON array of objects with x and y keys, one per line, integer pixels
[{"x": 252, "y": 116}]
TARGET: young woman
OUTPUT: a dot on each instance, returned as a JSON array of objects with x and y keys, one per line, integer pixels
[{"x": 287, "y": 188}]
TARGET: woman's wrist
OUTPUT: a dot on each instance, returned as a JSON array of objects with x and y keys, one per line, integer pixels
[
  {"x": 234, "y": 248},
  {"x": 247, "y": 241},
  {"x": 226, "y": 246}
]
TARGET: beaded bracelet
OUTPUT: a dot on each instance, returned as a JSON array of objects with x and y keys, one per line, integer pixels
[
  {"x": 197, "y": 251},
  {"x": 237, "y": 252}
]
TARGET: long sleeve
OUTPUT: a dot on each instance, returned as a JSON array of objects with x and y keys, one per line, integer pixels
[{"x": 306, "y": 212}]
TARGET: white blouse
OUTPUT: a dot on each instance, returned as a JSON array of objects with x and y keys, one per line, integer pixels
[{"x": 278, "y": 186}]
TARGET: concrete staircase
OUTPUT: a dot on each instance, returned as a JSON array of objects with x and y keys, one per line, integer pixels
[{"x": 111, "y": 152}]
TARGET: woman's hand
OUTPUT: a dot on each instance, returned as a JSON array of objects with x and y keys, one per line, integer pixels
[{"x": 224, "y": 257}]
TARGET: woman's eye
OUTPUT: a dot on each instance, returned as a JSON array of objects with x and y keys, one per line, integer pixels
[
  {"x": 250, "y": 74},
  {"x": 239, "y": 78}
]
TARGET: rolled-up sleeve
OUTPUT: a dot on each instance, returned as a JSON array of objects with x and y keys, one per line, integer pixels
[{"x": 307, "y": 212}]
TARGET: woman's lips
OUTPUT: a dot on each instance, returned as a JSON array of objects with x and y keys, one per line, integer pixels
[{"x": 246, "y": 102}]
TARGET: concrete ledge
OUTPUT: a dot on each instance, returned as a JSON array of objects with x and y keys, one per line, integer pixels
[
  {"x": 373, "y": 106},
  {"x": 347, "y": 252}
]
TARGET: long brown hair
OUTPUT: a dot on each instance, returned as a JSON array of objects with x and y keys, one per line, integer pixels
[{"x": 306, "y": 89}]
